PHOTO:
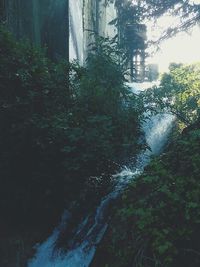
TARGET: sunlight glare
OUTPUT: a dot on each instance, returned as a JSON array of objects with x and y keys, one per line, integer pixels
[
  {"x": 196, "y": 2},
  {"x": 182, "y": 48}
]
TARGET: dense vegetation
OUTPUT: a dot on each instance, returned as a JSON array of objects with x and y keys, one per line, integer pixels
[
  {"x": 178, "y": 93},
  {"x": 62, "y": 126},
  {"x": 157, "y": 220}
]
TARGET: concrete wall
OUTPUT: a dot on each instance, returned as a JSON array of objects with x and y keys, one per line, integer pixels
[
  {"x": 89, "y": 17},
  {"x": 45, "y": 23}
]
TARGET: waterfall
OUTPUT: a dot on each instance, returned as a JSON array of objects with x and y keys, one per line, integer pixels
[{"x": 91, "y": 230}]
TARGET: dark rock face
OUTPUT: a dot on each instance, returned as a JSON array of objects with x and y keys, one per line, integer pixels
[{"x": 43, "y": 22}]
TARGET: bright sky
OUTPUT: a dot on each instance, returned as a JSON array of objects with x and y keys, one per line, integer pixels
[
  {"x": 194, "y": 2},
  {"x": 183, "y": 48}
]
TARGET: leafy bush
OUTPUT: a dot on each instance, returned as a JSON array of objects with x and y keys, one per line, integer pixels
[
  {"x": 62, "y": 125},
  {"x": 157, "y": 220},
  {"x": 34, "y": 98},
  {"x": 178, "y": 92}
]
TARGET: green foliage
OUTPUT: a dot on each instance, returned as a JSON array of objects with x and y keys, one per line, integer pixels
[
  {"x": 34, "y": 99},
  {"x": 158, "y": 218},
  {"x": 178, "y": 92},
  {"x": 62, "y": 125}
]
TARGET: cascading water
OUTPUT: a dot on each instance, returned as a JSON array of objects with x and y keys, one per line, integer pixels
[{"x": 91, "y": 230}]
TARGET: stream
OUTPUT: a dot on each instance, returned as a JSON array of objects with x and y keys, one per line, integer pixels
[{"x": 90, "y": 231}]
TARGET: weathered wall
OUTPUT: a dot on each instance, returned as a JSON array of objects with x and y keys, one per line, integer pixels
[
  {"x": 97, "y": 15},
  {"x": 107, "y": 12},
  {"x": 44, "y": 22},
  {"x": 89, "y": 17},
  {"x": 76, "y": 43}
]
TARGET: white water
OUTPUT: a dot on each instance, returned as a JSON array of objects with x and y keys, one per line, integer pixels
[{"x": 91, "y": 230}]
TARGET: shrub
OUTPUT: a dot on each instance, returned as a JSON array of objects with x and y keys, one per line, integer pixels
[{"x": 63, "y": 124}]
